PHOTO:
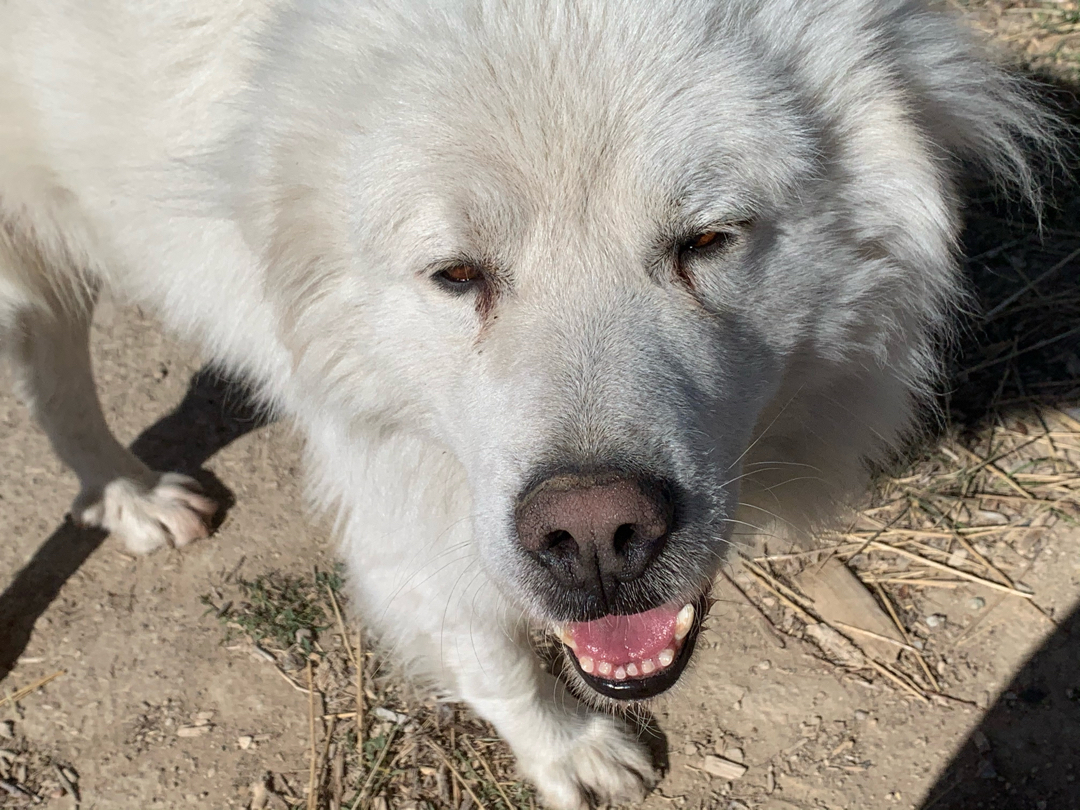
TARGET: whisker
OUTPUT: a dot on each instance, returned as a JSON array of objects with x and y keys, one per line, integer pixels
[{"x": 768, "y": 427}]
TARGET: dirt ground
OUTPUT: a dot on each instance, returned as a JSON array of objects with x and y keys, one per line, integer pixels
[{"x": 155, "y": 708}]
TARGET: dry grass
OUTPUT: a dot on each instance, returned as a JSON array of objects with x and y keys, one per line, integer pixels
[
  {"x": 373, "y": 742},
  {"x": 973, "y": 512},
  {"x": 28, "y": 775},
  {"x": 1044, "y": 36}
]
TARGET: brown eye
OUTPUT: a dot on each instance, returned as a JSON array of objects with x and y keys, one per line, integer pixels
[
  {"x": 704, "y": 244},
  {"x": 461, "y": 274},
  {"x": 703, "y": 240},
  {"x": 712, "y": 241},
  {"x": 708, "y": 241}
]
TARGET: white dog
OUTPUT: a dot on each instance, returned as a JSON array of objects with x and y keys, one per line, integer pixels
[{"x": 562, "y": 293}]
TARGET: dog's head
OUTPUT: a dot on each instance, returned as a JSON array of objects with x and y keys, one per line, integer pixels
[{"x": 631, "y": 267}]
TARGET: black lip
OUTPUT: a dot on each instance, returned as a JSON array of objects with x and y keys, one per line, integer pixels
[{"x": 645, "y": 688}]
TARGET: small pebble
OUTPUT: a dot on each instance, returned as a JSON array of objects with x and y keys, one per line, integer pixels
[
  {"x": 260, "y": 796},
  {"x": 977, "y": 603},
  {"x": 7, "y": 730},
  {"x": 292, "y": 661},
  {"x": 722, "y": 767},
  {"x": 986, "y": 770},
  {"x": 935, "y": 620},
  {"x": 690, "y": 749},
  {"x": 245, "y": 742},
  {"x": 765, "y": 665},
  {"x": 390, "y": 716},
  {"x": 860, "y": 715}
]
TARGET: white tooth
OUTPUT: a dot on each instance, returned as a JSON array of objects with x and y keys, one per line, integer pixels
[
  {"x": 604, "y": 668},
  {"x": 620, "y": 674},
  {"x": 683, "y": 622},
  {"x": 666, "y": 657},
  {"x": 586, "y": 664},
  {"x": 632, "y": 670},
  {"x": 647, "y": 666},
  {"x": 564, "y": 636}
]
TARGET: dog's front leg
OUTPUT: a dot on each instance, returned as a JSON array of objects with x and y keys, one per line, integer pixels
[
  {"x": 47, "y": 344},
  {"x": 574, "y": 756}
]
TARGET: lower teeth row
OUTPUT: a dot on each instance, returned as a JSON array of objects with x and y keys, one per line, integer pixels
[{"x": 607, "y": 670}]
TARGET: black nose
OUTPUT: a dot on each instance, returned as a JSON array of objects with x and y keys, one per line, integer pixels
[{"x": 594, "y": 532}]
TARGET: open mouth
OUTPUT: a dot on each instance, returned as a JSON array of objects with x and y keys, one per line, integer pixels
[{"x": 635, "y": 656}]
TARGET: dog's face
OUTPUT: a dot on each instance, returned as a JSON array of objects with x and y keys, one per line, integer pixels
[{"x": 585, "y": 270}]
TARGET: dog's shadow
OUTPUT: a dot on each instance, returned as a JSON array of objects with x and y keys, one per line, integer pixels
[{"x": 213, "y": 413}]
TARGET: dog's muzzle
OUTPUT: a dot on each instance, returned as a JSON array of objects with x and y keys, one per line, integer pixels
[{"x": 595, "y": 533}]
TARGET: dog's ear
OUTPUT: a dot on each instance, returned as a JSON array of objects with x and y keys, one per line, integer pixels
[{"x": 974, "y": 111}]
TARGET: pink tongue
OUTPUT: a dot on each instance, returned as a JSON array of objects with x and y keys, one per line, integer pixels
[{"x": 622, "y": 639}]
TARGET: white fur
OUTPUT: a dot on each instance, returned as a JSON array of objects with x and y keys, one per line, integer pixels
[{"x": 278, "y": 178}]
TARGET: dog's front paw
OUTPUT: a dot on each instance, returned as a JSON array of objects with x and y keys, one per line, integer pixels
[
  {"x": 599, "y": 764},
  {"x": 146, "y": 517}
]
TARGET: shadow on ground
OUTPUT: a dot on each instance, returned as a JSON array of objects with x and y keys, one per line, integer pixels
[
  {"x": 213, "y": 413},
  {"x": 1021, "y": 353},
  {"x": 1025, "y": 754}
]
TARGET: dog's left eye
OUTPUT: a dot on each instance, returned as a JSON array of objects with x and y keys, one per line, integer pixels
[
  {"x": 709, "y": 241},
  {"x": 702, "y": 244},
  {"x": 461, "y": 278},
  {"x": 461, "y": 274}
]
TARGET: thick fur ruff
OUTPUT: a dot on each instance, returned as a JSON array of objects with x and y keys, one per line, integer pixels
[{"x": 284, "y": 182}]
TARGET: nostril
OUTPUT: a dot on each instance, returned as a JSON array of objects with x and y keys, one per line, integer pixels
[
  {"x": 561, "y": 544},
  {"x": 624, "y": 538}
]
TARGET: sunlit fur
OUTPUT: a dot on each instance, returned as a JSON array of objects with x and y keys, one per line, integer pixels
[{"x": 282, "y": 180}]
